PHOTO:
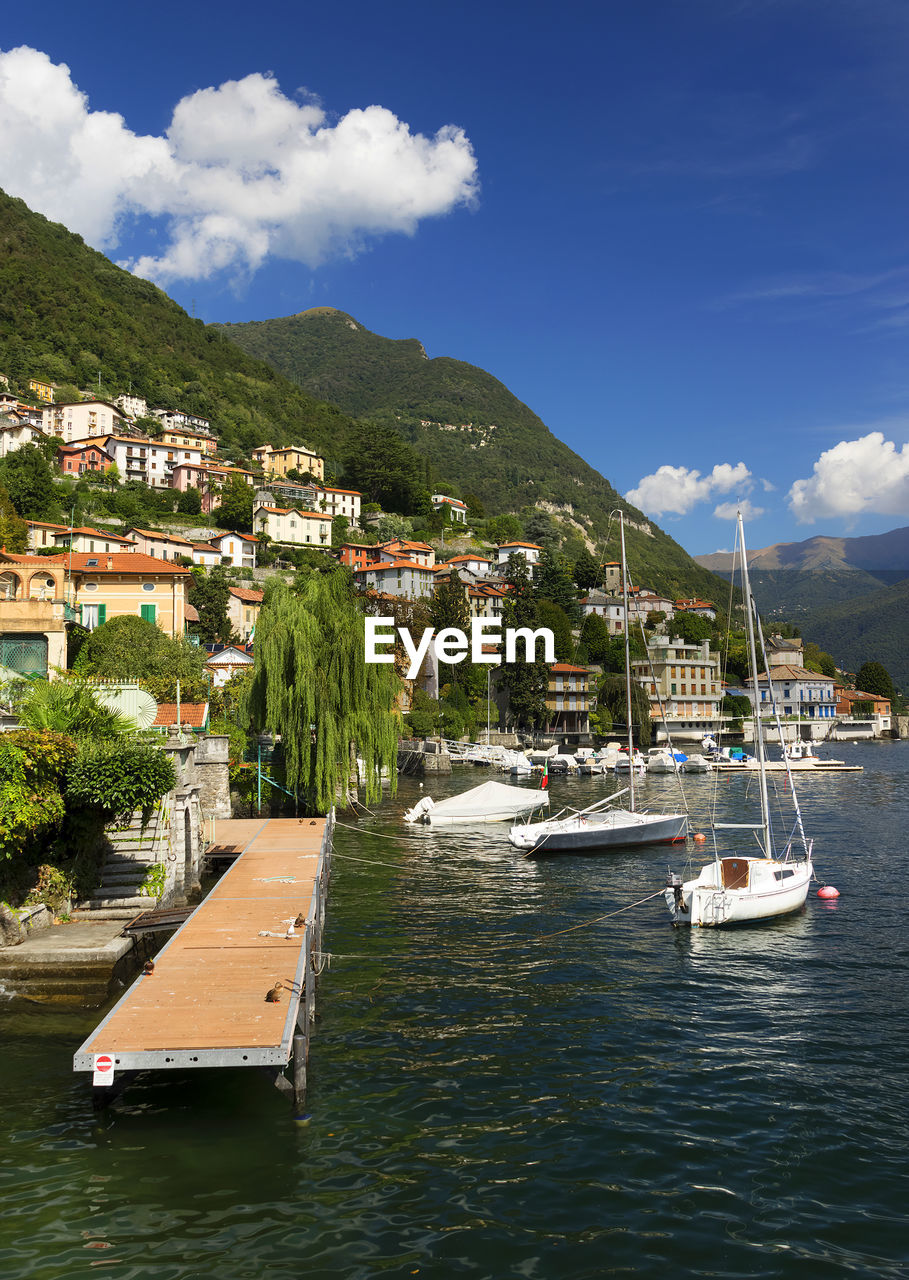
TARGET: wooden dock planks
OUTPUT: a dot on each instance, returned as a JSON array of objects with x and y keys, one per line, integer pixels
[{"x": 205, "y": 1002}]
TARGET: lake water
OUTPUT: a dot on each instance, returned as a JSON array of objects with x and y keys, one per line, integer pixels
[{"x": 492, "y": 1096}]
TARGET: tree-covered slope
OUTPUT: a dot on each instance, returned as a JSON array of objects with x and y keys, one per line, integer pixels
[
  {"x": 479, "y": 437},
  {"x": 70, "y": 314},
  {"x": 73, "y": 318},
  {"x": 871, "y": 629}
]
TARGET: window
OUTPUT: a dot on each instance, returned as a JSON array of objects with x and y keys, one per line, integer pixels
[
  {"x": 148, "y": 586},
  {"x": 91, "y": 564},
  {"x": 147, "y": 612}
]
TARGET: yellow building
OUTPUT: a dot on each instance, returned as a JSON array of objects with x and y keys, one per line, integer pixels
[
  {"x": 128, "y": 584},
  {"x": 33, "y": 614},
  {"x": 293, "y": 458},
  {"x": 42, "y": 390}
]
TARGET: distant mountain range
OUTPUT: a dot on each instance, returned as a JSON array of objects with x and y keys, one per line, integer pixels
[
  {"x": 883, "y": 555},
  {"x": 849, "y": 595}
]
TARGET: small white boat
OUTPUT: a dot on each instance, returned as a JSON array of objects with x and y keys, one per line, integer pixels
[
  {"x": 490, "y": 802},
  {"x": 627, "y": 762},
  {"x": 696, "y": 763},
  {"x": 742, "y": 888},
  {"x": 597, "y": 830}
]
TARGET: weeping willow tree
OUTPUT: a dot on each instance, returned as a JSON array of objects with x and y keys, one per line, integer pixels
[{"x": 312, "y": 686}]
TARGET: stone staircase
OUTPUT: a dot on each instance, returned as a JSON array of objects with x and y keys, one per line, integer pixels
[{"x": 132, "y": 851}]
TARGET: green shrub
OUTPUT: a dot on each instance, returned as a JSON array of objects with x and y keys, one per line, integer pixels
[{"x": 119, "y": 778}]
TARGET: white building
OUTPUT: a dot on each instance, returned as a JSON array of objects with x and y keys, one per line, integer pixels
[
  {"x": 479, "y": 566},
  {"x": 176, "y": 418},
  {"x": 457, "y": 510},
  {"x": 82, "y": 420},
  {"x": 132, "y": 406},
  {"x": 795, "y": 691},
  {"x": 609, "y": 608},
  {"x": 150, "y": 461},
  {"x": 239, "y": 547},
  {"x": 13, "y": 435},
  {"x": 404, "y": 578},
  {"x": 289, "y": 525},
  {"x": 529, "y": 550}
]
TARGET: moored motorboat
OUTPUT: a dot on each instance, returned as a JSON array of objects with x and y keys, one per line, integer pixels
[{"x": 490, "y": 802}]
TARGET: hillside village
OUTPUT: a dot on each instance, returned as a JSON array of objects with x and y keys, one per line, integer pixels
[{"x": 280, "y": 510}]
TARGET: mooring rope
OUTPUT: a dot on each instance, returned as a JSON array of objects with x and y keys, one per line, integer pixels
[{"x": 585, "y": 924}]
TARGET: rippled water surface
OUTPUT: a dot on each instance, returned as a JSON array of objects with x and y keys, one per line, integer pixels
[{"x": 495, "y": 1092}]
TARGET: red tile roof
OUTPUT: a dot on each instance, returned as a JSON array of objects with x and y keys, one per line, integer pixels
[
  {"x": 247, "y": 595},
  {"x": 191, "y": 713},
  {"x": 132, "y": 562}
]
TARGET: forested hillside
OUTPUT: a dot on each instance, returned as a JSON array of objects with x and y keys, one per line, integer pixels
[
  {"x": 871, "y": 629},
  {"x": 71, "y": 315},
  {"x": 479, "y": 438},
  {"x": 73, "y": 318}
]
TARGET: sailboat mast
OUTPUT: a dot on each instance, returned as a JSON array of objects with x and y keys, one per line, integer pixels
[
  {"x": 627, "y": 664},
  {"x": 752, "y": 662}
]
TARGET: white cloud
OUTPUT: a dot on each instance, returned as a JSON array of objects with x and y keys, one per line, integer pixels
[
  {"x": 869, "y": 474},
  {"x": 729, "y": 510},
  {"x": 243, "y": 172},
  {"x": 677, "y": 489}
]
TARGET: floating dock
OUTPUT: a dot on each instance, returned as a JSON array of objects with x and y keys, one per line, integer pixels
[{"x": 205, "y": 1003}]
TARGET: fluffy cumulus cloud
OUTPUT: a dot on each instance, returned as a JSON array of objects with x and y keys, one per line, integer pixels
[
  {"x": 243, "y": 172},
  {"x": 729, "y": 510},
  {"x": 675, "y": 490},
  {"x": 870, "y": 474}
]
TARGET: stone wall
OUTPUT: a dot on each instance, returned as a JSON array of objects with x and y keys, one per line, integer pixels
[{"x": 212, "y": 775}]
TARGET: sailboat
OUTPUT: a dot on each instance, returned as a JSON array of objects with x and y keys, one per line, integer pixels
[
  {"x": 596, "y": 827},
  {"x": 743, "y": 888}
]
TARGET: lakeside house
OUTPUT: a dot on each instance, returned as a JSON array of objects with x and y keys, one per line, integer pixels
[
  {"x": 794, "y": 691},
  {"x": 682, "y": 683},
  {"x": 568, "y": 702}
]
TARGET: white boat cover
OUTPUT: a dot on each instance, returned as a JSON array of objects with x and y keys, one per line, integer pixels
[{"x": 490, "y": 802}]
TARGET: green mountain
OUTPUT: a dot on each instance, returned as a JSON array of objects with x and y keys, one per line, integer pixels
[
  {"x": 479, "y": 438},
  {"x": 871, "y": 629},
  {"x": 73, "y": 318}
]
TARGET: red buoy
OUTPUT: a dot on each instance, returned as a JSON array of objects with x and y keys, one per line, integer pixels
[
  {"x": 699, "y": 837},
  {"x": 828, "y": 891}
]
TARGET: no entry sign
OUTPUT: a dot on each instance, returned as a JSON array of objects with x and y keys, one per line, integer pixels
[{"x": 103, "y": 1069}]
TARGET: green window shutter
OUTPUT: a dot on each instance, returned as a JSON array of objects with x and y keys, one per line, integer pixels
[
  {"x": 102, "y": 614},
  {"x": 148, "y": 612}
]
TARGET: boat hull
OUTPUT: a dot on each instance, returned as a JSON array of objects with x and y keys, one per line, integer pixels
[
  {"x": 619, "y": 829},
  {"x": 708, "y": 903}
]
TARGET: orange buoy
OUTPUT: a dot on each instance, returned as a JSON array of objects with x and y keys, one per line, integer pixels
[
  {"x": 699, "y": 837},
  {"x": 828, "y": 891}
]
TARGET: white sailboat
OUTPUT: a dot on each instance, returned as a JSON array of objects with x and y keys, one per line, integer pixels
[
  {"x": 743, "y": 888},
  {"x": 597, "y": 828}
]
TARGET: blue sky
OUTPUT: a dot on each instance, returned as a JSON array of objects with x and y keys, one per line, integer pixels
[{"x": 678, "y": 231}]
